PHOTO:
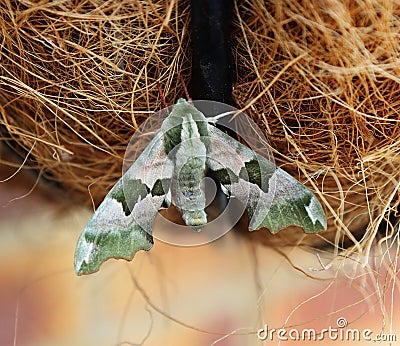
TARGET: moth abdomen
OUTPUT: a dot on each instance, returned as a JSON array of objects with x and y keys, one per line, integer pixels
[
  {"x": 196, "y": 219},
  {"x": 189, "y": 195}
]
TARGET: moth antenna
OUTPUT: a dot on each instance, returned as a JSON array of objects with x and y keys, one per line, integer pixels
[
  {"x": 214, "y": 119},
  {"x": 188, "y": 98},
  {"x": 164, "y": 104}
]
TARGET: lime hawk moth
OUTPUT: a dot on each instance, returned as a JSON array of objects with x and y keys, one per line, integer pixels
[{"x": 171, "y": 169}]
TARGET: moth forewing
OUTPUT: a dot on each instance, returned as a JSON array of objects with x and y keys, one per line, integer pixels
[
  {"x": 272, "y": 198},
  {"x": 292, "y": 204},
  {"x": 122, "y": 224},
  {"x": 109, "y": 234}
]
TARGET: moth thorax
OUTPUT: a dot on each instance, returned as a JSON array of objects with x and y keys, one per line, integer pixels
[
  {"x": 183, "y": 125},
  {"x": 189, "y": 128}
]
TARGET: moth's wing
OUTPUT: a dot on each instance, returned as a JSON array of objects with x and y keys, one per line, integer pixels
[
  {"x": 122, "y": 224},
  {"x": 272, "y": 198}
]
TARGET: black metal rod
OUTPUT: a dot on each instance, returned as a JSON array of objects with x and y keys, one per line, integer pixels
[{"x": 212, "y": 77}]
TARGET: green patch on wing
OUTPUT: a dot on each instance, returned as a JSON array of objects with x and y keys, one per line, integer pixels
[
  {"x": 258, "y": 172},
  {"x": 128, "y": 192},
  {"x": 224, "y": 176},
  {"x": 303, "y": 210},
  {"x": 96, "y": 246},
  {"x": 158, "y": 188}
]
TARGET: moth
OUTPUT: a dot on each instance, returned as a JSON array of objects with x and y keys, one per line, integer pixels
[{"x": 171, "y": 170}]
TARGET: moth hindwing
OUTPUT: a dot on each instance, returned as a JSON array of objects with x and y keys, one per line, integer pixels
[{"x": 171, "y": 169}]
